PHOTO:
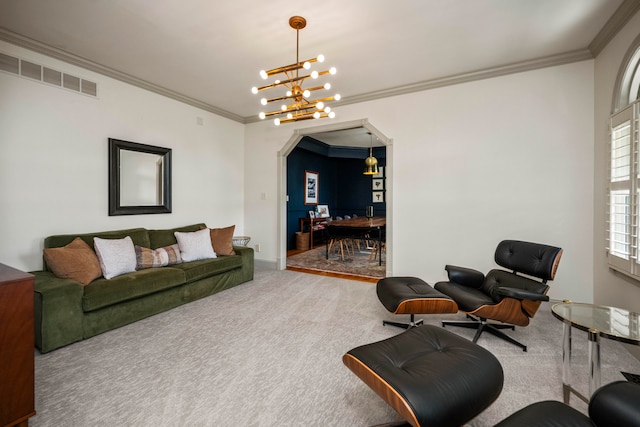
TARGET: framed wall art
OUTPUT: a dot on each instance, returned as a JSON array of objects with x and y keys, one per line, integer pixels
[
  {"x": 311, "y": 187},
  {"x": 378, "y": 197},
  {"x": 377, "y": 184}
]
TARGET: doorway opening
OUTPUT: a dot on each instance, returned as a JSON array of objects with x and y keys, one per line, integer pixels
[{"x": 342, "y": 132}]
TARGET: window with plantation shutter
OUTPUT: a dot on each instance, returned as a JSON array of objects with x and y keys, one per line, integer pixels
[{"x": 623, "y": 196}]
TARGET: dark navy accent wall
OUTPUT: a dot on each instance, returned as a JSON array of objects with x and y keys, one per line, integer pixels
[{"x": 341, "y": 184}]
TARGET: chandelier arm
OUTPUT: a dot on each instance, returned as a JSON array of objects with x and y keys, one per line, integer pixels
[
  {"x": 290, "y": 67},
  {"x": 283, "y": 82},
  {"x": 305, "y": 117}
]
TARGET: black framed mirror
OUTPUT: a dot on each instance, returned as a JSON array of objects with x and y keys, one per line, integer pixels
[{"x": 139, "y": 178}]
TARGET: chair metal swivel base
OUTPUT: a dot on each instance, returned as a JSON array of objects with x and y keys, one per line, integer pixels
[
  {"x": 482, "y": 325},
  {"x": 412, "y": 323}
]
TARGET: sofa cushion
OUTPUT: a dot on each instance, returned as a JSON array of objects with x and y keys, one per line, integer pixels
[
  {"x": 76, "y": 261},
  {"x": 195, "y": 245},
  {"x": 103, "y": 293},
  {"x": 162, "y": 238},
  {"x": 207, "y": 267},
  {"x": 222, "y": 240},
  {"x": 116, "y": 256}
]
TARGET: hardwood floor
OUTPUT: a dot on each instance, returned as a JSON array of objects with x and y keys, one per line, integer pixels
[{"x": 328, "y": 273}]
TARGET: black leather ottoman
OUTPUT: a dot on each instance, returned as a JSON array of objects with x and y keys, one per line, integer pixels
[
  {"x": 430, "y": 376},
  {"x": 614, "y": 404},
  {"x": 411, "y": 295}
]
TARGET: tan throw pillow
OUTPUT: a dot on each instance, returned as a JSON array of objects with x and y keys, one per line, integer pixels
[
  {"x": 148, "y": 258},
  {"x": 76, "y": 261},
  {"x": 222, "y": 240}
]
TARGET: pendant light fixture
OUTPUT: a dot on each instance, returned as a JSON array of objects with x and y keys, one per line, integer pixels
[
  {"x": 370, "y": 163},
  {"x": 300, "y": 106}
]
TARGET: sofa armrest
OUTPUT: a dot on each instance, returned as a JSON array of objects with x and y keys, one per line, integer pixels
[
  {"x": 465, "y": 276},
  {"x": 57, "y": 311},
  {"x": 247, "y": 261}
]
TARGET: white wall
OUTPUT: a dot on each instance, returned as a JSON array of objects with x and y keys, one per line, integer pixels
[
  {"x": 610, "y": 288},
  {"x": 53, "y": 159},
  {"x": 503, "y": 158}
]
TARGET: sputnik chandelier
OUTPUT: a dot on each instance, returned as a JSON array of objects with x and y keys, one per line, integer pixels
[{"x": 297, "y": 104}]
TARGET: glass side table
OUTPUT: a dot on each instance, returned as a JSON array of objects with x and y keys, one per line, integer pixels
[{"x": 598, "y": 321}]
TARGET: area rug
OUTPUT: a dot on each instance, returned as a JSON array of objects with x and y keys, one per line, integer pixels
[{"x": 354, "y": 264}]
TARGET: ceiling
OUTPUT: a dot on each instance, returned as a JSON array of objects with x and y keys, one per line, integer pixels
[{"x": 209, "y": 53}]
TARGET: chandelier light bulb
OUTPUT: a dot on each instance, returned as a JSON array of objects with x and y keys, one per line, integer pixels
[
  {"x": 316, "y": 115},
  {"x": 332, "y": 115},
  {"x": 277, "y": 82},
  {"x": 337, "y": 97},
  {"x": 263, "y": 101},
  {"x": 314, "y": 74},
  {"x": 332, "y": 70},
  {"x": 254, "y": 90},
  {"x": 276, "y": 122},
  {"x": 306, "y": 65},
  {"x": 320, "y": 105},
  {"x": 262, "y": 115},
  {"x": 306, "y": 93},
  {"x": 283, "y": 107},
  {"x": 289, "y": 116},
  {"x": 289, "y": 93},
  {"x": 327, "y": 109},
  {"x": 327, "y": 86},
  {"x": 320, "y": 58},
  {"x": 264, "y": 75}
]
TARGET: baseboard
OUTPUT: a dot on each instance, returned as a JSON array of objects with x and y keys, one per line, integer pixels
[{"x": 264, "y": 264}]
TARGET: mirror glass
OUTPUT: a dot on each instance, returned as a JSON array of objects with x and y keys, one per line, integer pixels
[{"x": 139, "y": 178}]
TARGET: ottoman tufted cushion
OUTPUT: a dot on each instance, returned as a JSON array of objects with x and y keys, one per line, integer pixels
[
  {"x": 430, "y": 376},
  {"x": 412, "y": 295}
]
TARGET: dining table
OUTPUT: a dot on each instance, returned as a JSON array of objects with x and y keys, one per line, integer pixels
[{"x": 357, "y": 228}]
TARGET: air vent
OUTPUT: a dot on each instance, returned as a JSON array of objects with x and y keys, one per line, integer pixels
[
  {"x": 31, "y": 70},
  {"x": 89, "y": 88},
  {"x": 9, "y": 63},
  {"x": 71, "y": 82},
  {"x": 52, "y": 77},
  {"x": 47, "y": 75}
]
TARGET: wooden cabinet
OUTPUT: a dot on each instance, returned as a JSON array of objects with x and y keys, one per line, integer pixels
[
  {"x": 17, "y": 402},
  {"x": 314, "y": 226}
]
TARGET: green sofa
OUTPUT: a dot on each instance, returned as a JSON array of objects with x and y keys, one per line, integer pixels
[{"x": 66, "y": 311}]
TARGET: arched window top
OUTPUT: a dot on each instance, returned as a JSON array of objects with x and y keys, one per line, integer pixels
[{"x": 628, "y": 82}]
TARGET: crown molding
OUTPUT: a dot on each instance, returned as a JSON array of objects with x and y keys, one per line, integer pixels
[
  {"x": 70, "y": 58},
  {"x": 618, "y": 20}
]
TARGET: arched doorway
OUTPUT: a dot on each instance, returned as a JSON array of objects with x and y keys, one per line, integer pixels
[{"x": 295, "y": 138}]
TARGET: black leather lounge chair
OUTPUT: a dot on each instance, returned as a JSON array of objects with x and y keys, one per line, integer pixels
[{"x": 511, "y": 297}]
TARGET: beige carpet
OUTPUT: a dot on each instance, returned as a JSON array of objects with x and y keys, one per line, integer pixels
[
  {"x": 268, "y": 353},
  {"x": 356, "y": 263}
]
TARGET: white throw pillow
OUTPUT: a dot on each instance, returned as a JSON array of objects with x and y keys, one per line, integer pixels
[
  {"x": 195, "y": 245},
  {"x": 116, "y": 256}
]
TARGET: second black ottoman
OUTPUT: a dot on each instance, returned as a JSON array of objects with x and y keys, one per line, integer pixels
[{"x": 429, "y": 375}]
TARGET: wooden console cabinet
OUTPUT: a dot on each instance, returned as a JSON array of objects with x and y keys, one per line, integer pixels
[
  {"x": 17, "y": 401},
  {"x": 312, "y": 225}
]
